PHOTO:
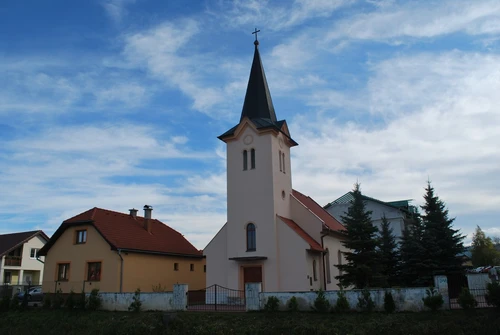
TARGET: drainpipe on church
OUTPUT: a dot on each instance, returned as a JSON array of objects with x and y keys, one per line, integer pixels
[
  {"x": 121, "y": 270},
  {"x": 323, "y": 255}
]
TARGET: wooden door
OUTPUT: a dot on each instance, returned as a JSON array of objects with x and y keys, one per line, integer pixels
[{"x": 252, "y": 274}]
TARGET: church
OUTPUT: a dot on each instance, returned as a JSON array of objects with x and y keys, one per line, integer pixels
[{"x": 274, "y": 234}]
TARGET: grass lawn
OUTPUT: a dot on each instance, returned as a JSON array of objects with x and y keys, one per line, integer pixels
[{"x": 37, "y": 321}]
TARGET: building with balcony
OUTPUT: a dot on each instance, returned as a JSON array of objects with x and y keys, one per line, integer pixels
[{"x": 20, "y": 264}]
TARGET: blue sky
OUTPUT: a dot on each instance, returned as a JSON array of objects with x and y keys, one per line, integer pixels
[{"x": 118, "y": 103}]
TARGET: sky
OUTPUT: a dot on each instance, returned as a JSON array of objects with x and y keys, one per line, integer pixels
[{"x": 118, "y": 103}]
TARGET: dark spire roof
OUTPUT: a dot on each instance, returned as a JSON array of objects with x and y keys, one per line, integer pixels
[{"x": 258, "y": 103}]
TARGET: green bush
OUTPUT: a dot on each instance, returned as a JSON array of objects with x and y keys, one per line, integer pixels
[
  {"x": 5, "y": 303},
  {"x": 493, "y": 295},
  {"x": 433, "y": 300},
  {"x": 47, "y": 301},
  {"x": 321, "y": 304},
  {"x": 466, "y": 300},
  {"x": 389, "y": 304},
  {"x": 81, "y": 300},
  {"x": 159, "y": 288},
  {"x": 342, "y": 304},
  {"x": 136, "y": 304},
  {"x": 292, "y": 304},
  {"x": 365, "y": 302},
  {"x": 94, "y": 301},
  {"x": 57, "y": 299},
  {"x": 272, "y": 304},
  {"x": 70, "y": 300},
  {"x": 14, "y": 303}
]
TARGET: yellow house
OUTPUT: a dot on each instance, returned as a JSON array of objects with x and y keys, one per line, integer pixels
[{"x": 118, "y": 252}]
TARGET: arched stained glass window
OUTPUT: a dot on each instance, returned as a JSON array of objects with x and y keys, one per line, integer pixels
[
  {"x": 252, "y": 159},
  {"x": 245, "y": 160}
]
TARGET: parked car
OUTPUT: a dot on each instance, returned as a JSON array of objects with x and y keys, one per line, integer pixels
[{"x": 33, "y": 294}]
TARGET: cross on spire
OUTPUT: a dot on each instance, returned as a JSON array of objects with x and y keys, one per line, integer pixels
[{"x": 255, "y": 32}]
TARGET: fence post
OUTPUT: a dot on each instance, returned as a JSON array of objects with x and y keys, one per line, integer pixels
[
  {"x": 441, "y": 284},
  {"x": 180, "y": 297},
  {"x": 252, "y": 296}
]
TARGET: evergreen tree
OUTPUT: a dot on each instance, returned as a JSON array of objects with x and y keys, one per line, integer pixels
[
  {"x": 388, "y": 252},
  {"x": 362, "y": 269},
  {"x": 483, "y": 250},
  {"x": 441, "y": 241},
  {"x": 413, "y": 270}
]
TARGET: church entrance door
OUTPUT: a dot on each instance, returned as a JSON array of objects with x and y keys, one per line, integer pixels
[{"x": 252, "y": 274}]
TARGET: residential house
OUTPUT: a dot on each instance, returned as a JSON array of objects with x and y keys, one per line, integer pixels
[
  {"x": 119, "y": 252},
  {"x": 20, "y": 264},
  {"x": 274, "y": 234},
  {"x": 398, "y": 213}
]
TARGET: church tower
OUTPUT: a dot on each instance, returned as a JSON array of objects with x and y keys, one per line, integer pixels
[{"x": 259, "y": 185}]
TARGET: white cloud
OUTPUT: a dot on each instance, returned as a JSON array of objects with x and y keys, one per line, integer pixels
[
  {"x": 440, "y": 121},
  {"x": 419, "y": 19},
  {"x": 116, "y": 9}
]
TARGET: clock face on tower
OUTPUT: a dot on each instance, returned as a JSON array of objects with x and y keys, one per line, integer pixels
[{"x": 248, "y": 139}]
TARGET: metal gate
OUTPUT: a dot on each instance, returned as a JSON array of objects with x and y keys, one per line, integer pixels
[
  {"x": 455, "y": 284},
  {"x": 216, "y": 298}
]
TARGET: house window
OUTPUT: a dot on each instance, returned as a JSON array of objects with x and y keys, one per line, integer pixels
[
  {"x": 283, "y": 161},
  {"x": 251, "y": 243},
  {"x": 252, "y": 158},
  {"x": 81, "y": 236},
  {"x": 33, "y": 252},
  {"x": 176, "y": 266},
  {"x": 63, "y": 272},
  {"x": 191, "y": 267},
  {"x": 340, "y": 261},
  {"x": 245, "y": 160},
  {"x": 279, "y": 154},
  {"x": 204, "y": 268},
  {"x": 94, "y": 271},
  {"x": 7, "y": 277},
  {"x": 315, "y": 274},
  {"x": 328, "y": 274}
]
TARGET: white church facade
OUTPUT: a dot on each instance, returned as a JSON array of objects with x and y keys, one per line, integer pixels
[{"x": 274, "y": 234}]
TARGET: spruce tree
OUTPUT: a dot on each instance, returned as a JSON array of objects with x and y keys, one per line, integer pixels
[
  {"x": 362, "y": 268},
  {"x": 441, "y": 241},
  {"x": 388, "y": 253},
  {"x": 483, "y": 250},
  {"x": 413, "y": 270}
]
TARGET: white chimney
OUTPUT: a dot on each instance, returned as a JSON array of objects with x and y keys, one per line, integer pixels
[
  {"x": 147, "y": 211},
  {"x": 133, "y": 212}
]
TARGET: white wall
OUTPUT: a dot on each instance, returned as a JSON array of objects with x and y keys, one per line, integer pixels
[
  {"x": 406, "y": 299},
  {"x": 161, "y": 301},
  {"x": 333, "y": 245},
  {"x": 216, "y": 259}
]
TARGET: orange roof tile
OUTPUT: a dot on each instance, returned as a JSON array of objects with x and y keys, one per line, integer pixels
[
  {"x": 319, "y": 211},
  {"x": 296, "y": 228},
  {"x": 123, "y": 231}
]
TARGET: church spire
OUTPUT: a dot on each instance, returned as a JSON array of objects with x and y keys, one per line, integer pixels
[{"x": 258, "y": 103}]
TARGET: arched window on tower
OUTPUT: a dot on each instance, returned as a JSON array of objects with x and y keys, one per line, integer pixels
[
  {"x": 315, "y": 273},
  {"x": 281, "y": 169},
  {"x": 245, "y": 160},
  {"x": 283, "y": 161},
  {"x": 252, "y": 159},
  {"x": 251, "y": 241}
]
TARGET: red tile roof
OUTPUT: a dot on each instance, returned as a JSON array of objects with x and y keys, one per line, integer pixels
[
  {"x": 11, "y": 241},
  {"x": 319, "y": 211},
  {"x": 295, "y": 227},
  {"x": 123, "y": 231}
]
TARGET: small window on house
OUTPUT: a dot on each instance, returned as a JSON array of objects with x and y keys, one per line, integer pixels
[
  {"x": 252, "y": 158},
  {"x": 251, "y": 243},
  {"x": 176, "y": 266},
  {"x": 315, "y": 274},
  {"x": 81, "y": 236},
  {"x": 283, "y": 161},
  {"x": 281, "y": 169},
  {"x": 94, "y": 271},
  {"x": 245, "y": 160},
  {"x": 204, "y": 268},
  {"x": 33, "y": 252},
  {"x": 340, "y": 261},
  {"x": 63, "y": 272},
  {"x": 191, "y": 267},
  {"x": 328, "y": 274},
  {"x": 7, "y": 277}
]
